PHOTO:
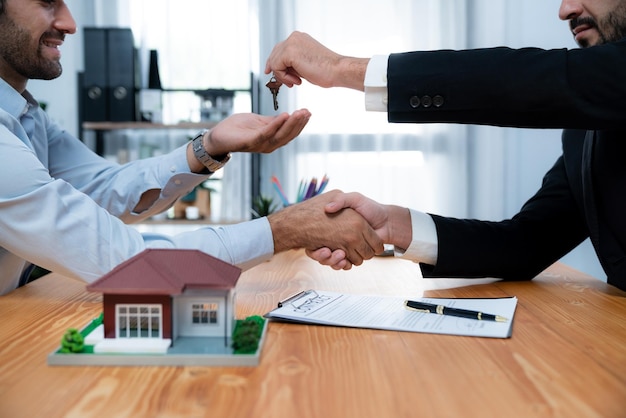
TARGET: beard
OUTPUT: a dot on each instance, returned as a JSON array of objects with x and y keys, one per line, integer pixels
[
  {"x": 15, "y": 50},
  {"x": 614, "y": 27},
  {"x": 611, "y": 28}
]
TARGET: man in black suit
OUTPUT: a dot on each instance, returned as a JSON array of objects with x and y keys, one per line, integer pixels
[{"x": 582, "y": 91}]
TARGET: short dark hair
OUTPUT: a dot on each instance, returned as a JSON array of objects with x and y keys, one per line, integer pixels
[{"x": 1, "y": 7}]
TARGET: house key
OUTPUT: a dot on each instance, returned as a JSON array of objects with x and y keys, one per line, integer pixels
[{"x": 274, "y": 85}]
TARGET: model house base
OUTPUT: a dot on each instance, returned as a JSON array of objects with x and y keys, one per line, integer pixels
[
  {"x": 164, "y": 307},
  {"x": 188, "y": 351}
]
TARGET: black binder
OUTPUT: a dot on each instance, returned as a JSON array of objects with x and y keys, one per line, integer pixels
[
  {"x": 121, "y": 75},
  {"x": 108, "y": 83},
  {"x": 94, "y": 78}
]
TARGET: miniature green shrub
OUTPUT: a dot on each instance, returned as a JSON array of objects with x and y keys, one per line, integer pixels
[
  {"x": 259, "y": 320},
  {"x": 72, "y": 341},
  {"x": 247, "y": 335}
]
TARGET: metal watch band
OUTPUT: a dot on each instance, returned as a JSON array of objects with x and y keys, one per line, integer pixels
[{"x": 209, "y": 162}]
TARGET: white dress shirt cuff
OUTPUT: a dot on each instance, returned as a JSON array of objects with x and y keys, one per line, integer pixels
[
  {"x": 423, "y": 247},
  {"x": 376, "y": 84}
]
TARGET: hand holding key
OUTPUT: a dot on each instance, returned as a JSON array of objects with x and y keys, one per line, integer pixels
[{"x": 274, "y": 85}]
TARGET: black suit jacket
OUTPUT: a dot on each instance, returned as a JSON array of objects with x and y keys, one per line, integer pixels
[{"x": 582, "y": 91}]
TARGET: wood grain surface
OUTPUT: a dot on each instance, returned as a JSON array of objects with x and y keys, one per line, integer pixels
[{"x": 566, "y": 358}]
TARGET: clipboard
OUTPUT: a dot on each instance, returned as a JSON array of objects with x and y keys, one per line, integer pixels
[{"x": 316, "y": 307}]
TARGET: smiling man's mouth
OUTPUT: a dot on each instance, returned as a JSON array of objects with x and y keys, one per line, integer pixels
[
  {"x": 52, "y": 43},
  {"x": 581, "y": 28}
]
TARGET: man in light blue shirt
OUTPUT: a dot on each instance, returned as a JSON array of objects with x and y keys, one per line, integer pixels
[{"x": 64, "y": 208}]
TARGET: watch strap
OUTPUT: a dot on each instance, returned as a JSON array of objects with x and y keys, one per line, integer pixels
[{"x": 212, "y": 164}]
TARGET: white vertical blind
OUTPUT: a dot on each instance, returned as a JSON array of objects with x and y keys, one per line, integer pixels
[{"x": 420, "y": 166}]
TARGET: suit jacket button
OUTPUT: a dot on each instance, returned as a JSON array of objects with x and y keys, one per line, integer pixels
[
  {"x": 414, "y": 101},
  {"x": 438, "y": 101},
  {"x": 427, "y": 101}
]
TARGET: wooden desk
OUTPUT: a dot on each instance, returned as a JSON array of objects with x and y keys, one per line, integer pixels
[{"x": 567, "y": 356}]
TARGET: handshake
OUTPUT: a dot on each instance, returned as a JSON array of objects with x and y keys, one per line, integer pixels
[{"x": 340, "y": 229}]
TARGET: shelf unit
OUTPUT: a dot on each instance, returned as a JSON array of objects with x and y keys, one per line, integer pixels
[
  {"x": 102, "y": 128},
  {"x": 127, "y": 141}
]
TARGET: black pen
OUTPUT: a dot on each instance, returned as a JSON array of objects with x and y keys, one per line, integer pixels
[{"x": 444, "y": 310}]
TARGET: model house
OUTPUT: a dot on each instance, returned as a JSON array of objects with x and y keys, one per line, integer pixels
[{"x": 165, "y": 294}]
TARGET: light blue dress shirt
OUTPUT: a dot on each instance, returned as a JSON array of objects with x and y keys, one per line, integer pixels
[{"x": 63, "y": 207}]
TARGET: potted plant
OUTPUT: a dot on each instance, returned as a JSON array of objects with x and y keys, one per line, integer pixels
[{"x": 262, "y": 206}]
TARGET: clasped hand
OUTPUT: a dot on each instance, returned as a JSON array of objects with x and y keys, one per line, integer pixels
[
  {"x": 336, "y": 229},
  {"x": 376, "y": 216}
]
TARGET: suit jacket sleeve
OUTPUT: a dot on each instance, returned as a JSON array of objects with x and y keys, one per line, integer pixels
[{"x": 530, "y": 87}]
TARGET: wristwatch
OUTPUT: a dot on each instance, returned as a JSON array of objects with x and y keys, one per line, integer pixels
[{"x": 209, "y": 162}]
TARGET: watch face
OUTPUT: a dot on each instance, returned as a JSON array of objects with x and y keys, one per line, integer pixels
[{"x": 197, "y": 144}]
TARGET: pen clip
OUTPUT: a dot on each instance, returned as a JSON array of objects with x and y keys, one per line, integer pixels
[
  {"x": 294, "y": 298},
  {"x": 410, "y": 308}
]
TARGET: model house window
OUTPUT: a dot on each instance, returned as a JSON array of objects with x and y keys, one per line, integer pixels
[
  {"x": 204, "y": 313},
  {"x": 139, "y": 321}
]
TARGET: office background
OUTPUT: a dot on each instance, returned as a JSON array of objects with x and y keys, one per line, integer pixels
[{"x": 465, "y": 171}]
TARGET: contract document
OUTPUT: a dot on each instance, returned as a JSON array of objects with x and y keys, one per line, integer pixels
[{"x": 389, "y": 313}]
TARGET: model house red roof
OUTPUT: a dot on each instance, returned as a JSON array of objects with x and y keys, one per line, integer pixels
[{"x": 167, "y": 271}]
